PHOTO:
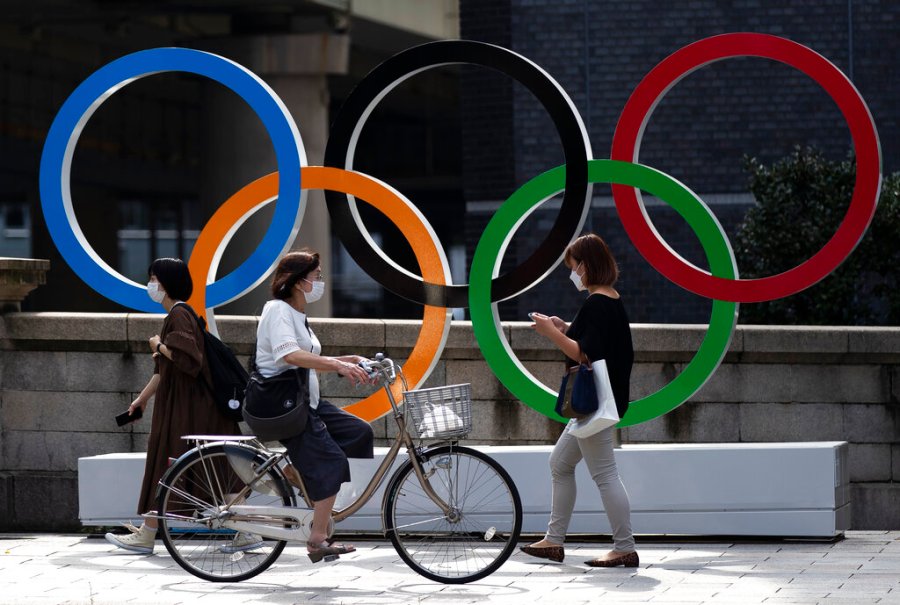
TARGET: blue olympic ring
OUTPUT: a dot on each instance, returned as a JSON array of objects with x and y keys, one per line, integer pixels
[{"x": 56, "y": 165}]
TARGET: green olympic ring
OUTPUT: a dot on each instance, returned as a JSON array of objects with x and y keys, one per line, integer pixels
[{"x": 499, "y": 232}]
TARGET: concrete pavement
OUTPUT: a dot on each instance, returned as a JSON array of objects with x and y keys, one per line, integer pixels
[{"x": 863, "y": 568}]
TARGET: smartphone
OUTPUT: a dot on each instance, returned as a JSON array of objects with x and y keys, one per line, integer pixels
[{"x": 123, "y": 418}]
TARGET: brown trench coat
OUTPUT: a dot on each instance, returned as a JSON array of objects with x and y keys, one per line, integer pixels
[{"x": 182, "y": 405}]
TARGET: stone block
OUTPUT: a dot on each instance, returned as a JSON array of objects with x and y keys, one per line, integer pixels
[
  {"x": 350, "y": 336},
  {"x": 895, "y": 383},
  {"x": 837, "y": 383},
  {"x": 689, "y": 423},
  {"x": 484, "y": 384},
  {"x": 798, "y": 340},
  {"x": 733, "y": 382},
  {"x": 874, "y": 506},
  {"x": 791, "y": 422},
  {"x": 6, "y": 494},
  {"x": 57, "y": 451},
  {"x": 462, "y": 336},
  {"x": 140, "y": 327},
  {"x": 490, "y": 422},
  {"x": 648, "y": 378},
  {"x": 865, "y": 423},
  {"x": 657, "y": 342},
  {"x": 873, "y": 340},
  {"x": 510, "y": 423},
  {"x": 400, "y": 336},
  {"x": 238, "y": 331},
  {"x": 35, "y": 371},
  {"x": 549, "y": 373},
  {"x": 62, "y": 412},
  {"x": 870, "y": 462},
  {"x": 895, "y": 462},
  {"x": 87, "y": 371},
  {"x": 73, "y": 327},
  {"x": 437, "y": 377},
  {"x": 44, "y": 502},
  {"x": 528, "y": 344}
]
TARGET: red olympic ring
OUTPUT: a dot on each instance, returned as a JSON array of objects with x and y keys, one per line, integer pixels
[{"x": 630, "y": 130}]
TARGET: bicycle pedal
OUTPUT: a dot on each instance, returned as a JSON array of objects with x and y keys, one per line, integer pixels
[{"x": 330, "y": 558}]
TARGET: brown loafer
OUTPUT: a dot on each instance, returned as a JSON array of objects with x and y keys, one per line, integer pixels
[
  {"x": 554, "y": 553},
  {"x": 629, "y": 559}
]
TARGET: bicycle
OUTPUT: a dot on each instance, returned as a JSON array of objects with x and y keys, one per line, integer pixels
[{"x": 226, "y": 508}]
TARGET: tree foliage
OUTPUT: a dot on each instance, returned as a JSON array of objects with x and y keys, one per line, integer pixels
[{"x": 801, "y": 201}]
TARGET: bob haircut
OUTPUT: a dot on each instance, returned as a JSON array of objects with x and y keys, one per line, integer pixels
[
  {"x": 293, "y": 267},
  {"x": 174, "y": 276},
  {"x": 600, "y": 268}
]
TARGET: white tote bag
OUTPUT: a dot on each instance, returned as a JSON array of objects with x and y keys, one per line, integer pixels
[{"x": 606, "y": 415}]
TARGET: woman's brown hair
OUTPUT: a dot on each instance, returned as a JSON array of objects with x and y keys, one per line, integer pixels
[
  {"x": 600, "y": 268},
  {"x": 293, "y": 267}
]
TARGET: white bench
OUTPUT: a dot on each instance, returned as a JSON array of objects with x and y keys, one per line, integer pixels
[{"x": 746, "y": 489}]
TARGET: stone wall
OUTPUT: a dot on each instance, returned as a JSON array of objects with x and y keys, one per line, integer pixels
[{"x": 64, "y": 376}]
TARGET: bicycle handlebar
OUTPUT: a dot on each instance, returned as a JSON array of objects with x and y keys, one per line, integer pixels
[{"x": 380, "y": 367}]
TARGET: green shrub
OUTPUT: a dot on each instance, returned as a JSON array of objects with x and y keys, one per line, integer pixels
[{"x": 801, "y": 202}]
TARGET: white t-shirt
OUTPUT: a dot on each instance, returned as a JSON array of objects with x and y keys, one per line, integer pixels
[{"x": 282, "y": 330}]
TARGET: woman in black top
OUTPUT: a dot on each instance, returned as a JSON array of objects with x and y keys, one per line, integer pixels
[{"x": 600, "y": 330}]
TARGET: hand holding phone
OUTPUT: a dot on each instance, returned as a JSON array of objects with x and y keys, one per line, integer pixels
[{"x": 125, "y": 418}]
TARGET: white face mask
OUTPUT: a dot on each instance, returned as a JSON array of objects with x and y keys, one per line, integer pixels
[
  {"x": 576, "y": 279},
  {"x": 318, "y": 289},
  {"x": 155, "y": 292}
]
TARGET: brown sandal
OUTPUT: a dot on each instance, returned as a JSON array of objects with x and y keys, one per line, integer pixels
[{"x": 327, "y": 552}]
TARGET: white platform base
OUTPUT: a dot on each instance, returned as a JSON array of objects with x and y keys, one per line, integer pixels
[{"x": 765, "y": 489}]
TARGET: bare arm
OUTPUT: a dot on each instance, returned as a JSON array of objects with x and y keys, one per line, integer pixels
[
  {"x": 344, "y": 366},
  {"x": 552, "y": 329},
  {"x": 144, "y": 397}
]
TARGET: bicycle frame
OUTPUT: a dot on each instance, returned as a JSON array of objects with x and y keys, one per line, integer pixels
[
  {"x": 245, "y": 517},
  {"x": 403, "y": 439}
]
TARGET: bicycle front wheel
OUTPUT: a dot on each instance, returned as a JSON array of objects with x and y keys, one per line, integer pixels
[
  {"x": 481, "y": 529},
  {"x": 191, "y": 495}
]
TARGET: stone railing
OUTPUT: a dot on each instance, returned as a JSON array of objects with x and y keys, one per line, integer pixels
[{"x": 65, "y": 375}]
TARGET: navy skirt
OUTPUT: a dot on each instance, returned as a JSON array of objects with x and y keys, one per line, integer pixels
[{"x": 320, "y": 453}]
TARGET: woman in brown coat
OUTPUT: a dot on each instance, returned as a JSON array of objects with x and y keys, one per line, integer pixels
[{"x": 183, "y": 404}]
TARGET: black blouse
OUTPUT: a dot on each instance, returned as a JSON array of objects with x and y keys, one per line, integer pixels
[{"x": 601, "y": 330}]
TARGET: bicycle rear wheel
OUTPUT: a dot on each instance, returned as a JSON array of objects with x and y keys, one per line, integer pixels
[
  {"x": 483, "y": 526},
  {"x": 191, "y": 494}
]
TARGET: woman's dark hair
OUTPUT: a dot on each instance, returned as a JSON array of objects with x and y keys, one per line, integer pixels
[
  {"x": 293, "y": 267},
  {"x": 174, "y": 276},
  {"x": 600, "y": 268}
]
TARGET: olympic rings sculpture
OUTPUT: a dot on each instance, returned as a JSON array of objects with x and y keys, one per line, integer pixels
[{"x": 434, "y": 288}]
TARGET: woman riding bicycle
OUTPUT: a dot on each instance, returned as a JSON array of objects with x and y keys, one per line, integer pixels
[{"x": 284, "y": 340}]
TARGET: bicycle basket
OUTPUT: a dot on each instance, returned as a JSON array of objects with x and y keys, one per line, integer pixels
[{"x": 440, "y": 412}]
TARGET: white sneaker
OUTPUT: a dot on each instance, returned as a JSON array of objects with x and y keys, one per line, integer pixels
[
  {"x": 242, "y": 542},
  {"x": 141, "y": 542}
]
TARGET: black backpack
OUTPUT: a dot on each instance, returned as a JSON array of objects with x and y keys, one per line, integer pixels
[{"x": 229, "y": 378}]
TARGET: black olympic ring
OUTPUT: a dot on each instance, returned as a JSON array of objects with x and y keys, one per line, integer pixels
[{"x": 376, "y": 85}]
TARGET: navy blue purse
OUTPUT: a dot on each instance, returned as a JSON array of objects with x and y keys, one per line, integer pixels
[{"x": 577, "y": 393}]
